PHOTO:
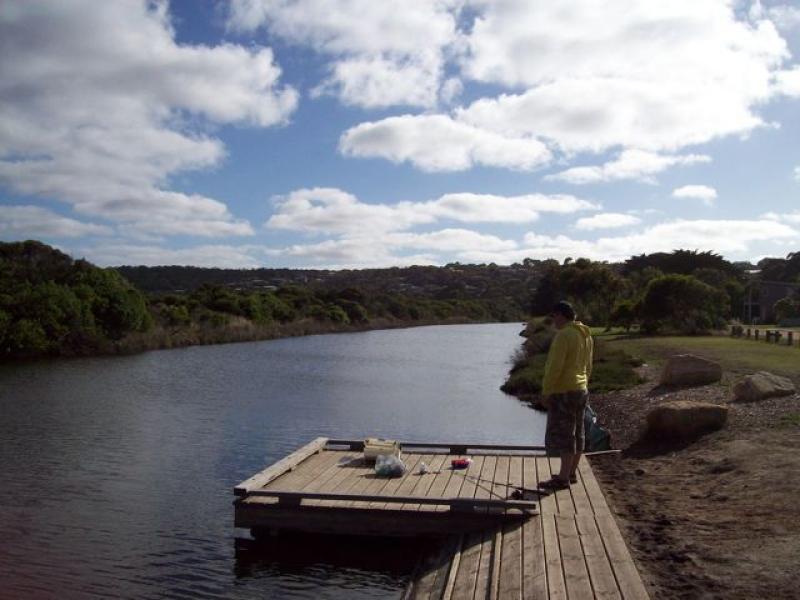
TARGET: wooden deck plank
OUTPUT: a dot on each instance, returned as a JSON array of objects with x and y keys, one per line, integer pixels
[
  {"x": 454, "y": 486},
  {"x": 470, "y": 485},
  {"x": 344, "y": 477},
  {"x": 424, "y": 482},
  {"x": 494, "y": 575},
  {"x": 467, "y": 573},
  {"x": 593, "y": 491},
  {"x": 483, "y": 575},
  {"x": 312, "y": 467},
  {"x": 534, "y": 567},
  {"x": 277, "y": 469},
  {"x": 579, "y": 586},
  {"x": 500, "y": 485},
  {"x": 552, "y": 552},
  {"x": 547, "y": 504},
  {"x": 407, "y": 484},
  {"x": 436, "y": 490},
  {"x": 485, "y": 481},
  {"x": 600, "y": 572},
  {"x": 580, "y": 496},
  {"x": 515, "y": 477},
  {"x": 447, "y": 592},
  {"x": 430, "y": 569},
  {"x": 563, "y": 497},
  {"x": 510, "y": 580},
  {"x": 628, "y": 578}
]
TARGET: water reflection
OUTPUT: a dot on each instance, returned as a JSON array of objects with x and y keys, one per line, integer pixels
[{"x": 353, "y": 567}]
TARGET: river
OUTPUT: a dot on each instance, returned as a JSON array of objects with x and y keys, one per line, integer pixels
[{"x": 116, "y": 474}]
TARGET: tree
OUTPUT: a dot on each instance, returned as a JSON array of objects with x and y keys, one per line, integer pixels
[
  {"x": 787, "y": 308},
  {"x": 682, "y": 303},
  {"x": 624, "y": 315}
]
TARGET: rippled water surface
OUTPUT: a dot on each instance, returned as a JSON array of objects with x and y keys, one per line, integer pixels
[{"x": 116, "y": 474}]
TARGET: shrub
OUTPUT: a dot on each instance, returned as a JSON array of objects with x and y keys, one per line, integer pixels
[{"x": 683, "y": 304}]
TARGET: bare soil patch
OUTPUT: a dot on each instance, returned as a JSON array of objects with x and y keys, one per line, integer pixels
[{"x": 715, "y": 518}]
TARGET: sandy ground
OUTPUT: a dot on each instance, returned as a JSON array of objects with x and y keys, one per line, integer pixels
[{"x": 717, "y": 518}]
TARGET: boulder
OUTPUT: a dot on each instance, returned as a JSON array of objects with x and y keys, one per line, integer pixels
[
  {"x": 762, "y": 385},
  {"x": 687, "y": 369},
  {"x": 685, "y": 419}
]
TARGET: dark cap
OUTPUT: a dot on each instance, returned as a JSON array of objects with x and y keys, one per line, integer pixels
[{"x": 564, "y": 309}]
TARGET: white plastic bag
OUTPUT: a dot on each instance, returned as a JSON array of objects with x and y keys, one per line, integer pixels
[{"x": 388, "y": 465}]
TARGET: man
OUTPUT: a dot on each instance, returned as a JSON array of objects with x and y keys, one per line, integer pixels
[{"x": 565, "y": 391}]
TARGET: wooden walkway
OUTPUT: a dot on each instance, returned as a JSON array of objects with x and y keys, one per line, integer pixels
[
  {"x": 562, "y": 546},
  {"x": 571, "y": 550}
]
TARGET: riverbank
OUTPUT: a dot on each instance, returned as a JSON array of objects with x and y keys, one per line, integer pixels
[
  {"x": 717, "y": 518},
  {"x": 242, "y": 330}
]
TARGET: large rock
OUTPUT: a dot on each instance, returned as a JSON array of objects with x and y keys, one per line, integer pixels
[
  {"x": 685, "y": 419},
  {"x": 762, "y": 385},
  {"x": 687, "y": 369}
]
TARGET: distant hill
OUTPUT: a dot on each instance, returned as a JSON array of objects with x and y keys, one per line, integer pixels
[{"x": 454, "y": 281}]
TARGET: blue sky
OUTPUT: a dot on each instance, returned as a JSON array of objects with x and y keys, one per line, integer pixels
[{"x": 313, "y": 133}]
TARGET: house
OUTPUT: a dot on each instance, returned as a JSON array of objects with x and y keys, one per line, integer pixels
[{"x": 760, "y": 297}]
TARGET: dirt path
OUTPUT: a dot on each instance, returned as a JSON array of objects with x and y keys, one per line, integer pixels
[{"x": 719, "y": 518}]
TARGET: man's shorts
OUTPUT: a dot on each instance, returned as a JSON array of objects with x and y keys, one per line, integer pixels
[{"x": 564, "y": 432}]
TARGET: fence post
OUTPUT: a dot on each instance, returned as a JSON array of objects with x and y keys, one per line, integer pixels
[
  {"x": 748, "y": 333},
  {"x": 758, "y": 331},
  {"x": 790, "y": 338}
]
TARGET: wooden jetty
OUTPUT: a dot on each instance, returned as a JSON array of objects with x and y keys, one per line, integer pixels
[
  {"x": 571, "y": 549},
  {"x": 565, "y": 545},
  {"x": 327, "y": 487}
]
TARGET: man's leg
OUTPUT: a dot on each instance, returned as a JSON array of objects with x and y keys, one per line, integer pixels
[
  {"x": 568, "y": 459},
  {"x": 580, "y": 433},
  {"x": 576, "y": 458}
]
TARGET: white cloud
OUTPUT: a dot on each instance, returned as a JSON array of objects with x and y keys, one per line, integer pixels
[
  {"x": 491, "y": 208},
  {"x": 34, "y": 222},
  {"x": 98, "y": 102},
  {"x": 356, "y": 253},
  {"x": 393, "y": 249},
  {"x": 797, "y": 173},
  {"x": 701, "y": 192},
  {"x": 656, "y": 75},
  {"x": 793, "y": 217},
  {"x": 785, "y": 16},
  {"x": 633, "y": 164},
  {"x": 788, "y": 82},
  {"x": 331, "y": 210},
  {"x": 222, "y": 256},
  {"x": 606, "y": 221},
  {"x": 729, "y": 237},
  {"x": 439, "y": 143},
  {"x": 449, "y": 240},
  {"x": 381, "y": 54}
]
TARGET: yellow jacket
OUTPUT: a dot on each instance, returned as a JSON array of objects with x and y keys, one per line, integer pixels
[{"x": 569, "y": 362}]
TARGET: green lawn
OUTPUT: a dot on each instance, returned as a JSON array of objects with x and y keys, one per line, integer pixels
[{"x": 737, "y": 355}]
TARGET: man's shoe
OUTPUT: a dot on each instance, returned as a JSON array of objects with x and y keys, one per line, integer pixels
[{"x": 556, "y": 483}]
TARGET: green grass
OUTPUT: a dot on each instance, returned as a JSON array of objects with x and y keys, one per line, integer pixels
[
  {"x": 791, "y": 420},
  {"x": 737, "y": 355},
  {"x": 613, "y": 369}
]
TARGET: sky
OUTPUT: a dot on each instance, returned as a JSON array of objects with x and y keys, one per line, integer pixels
[{"x": 363, "y": 133}]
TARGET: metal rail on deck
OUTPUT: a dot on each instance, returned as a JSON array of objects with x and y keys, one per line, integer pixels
[
  {"x": 294, "y": 498},
  {"x": 358, "y": 445}
]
